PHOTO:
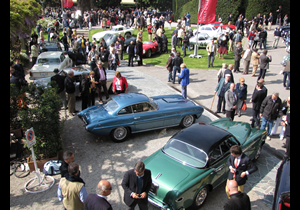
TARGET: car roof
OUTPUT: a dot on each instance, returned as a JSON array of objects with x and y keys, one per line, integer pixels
[
  {"x": 202, "y": 136},
  {"x": 127, "y": 99},
  {"x": 51, "y": 54}
]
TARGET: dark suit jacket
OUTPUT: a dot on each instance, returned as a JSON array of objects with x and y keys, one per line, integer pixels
[
  {"x": 264, "y": 61},
  {"x": 245, "y": 165},
  {"x": 97, "y": 74},
  {"x": 238, "y": 201},
  {"x": 95, "y": 202},
  {"x": 170, "y": 64},
  {"x": 60, "y": 80},
  {"x": 130, "y": 185},
  {"x": 257, "y": 99}
]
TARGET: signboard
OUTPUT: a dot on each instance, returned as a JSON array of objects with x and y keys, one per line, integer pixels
[{"x": 30, "y": 137}]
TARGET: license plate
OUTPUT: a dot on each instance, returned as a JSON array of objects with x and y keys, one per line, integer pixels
[
  {"x": 154, "y": 188},
  {"x": 44, "y": 74}
]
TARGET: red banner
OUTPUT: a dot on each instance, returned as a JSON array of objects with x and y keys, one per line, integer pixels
[
  {"x": 67, "y": 3},
  {"x": 206, "y": 13}
]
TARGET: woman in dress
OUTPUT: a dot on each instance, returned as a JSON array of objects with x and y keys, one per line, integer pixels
[{"x": 241, "y": 88}]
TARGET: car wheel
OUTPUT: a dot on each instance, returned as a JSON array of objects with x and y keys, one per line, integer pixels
[
  {"x": 119, "y": 134},
  {"x": 127, "y": 33},
  {"x": 200, "y": 198},
  {"x": 148, "y": 53},
  {"x": 187, "y": 121}
]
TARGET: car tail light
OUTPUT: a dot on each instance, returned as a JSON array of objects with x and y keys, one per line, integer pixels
[
  {"x": 285, "y": 203},
  {"x": 201, "y": 123}
]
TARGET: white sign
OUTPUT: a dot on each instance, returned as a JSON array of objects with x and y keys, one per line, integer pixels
[{"x": 30, "y": 137}]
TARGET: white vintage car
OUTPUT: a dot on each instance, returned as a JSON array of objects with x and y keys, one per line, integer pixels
[
  {"x": 114, "y": 30},
  {"x": 47, "y": 62},
  {"x": 209, "y": 29},
  {"x": 78, "y": 71}
]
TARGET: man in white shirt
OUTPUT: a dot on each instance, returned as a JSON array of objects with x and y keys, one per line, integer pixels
[{"x": 247, "y": 58}]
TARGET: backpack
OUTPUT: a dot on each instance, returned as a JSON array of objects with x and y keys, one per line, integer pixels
[
  {"x": 56, "y": 23},
  {"x": 52, "y": 167}
]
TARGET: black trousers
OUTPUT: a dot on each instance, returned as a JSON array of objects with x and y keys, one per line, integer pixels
[
  {"x": 84, "y": 102},
  {"x": 230, "y": 114},
  {"x": 142, "y": 205},
  {"x": 255, "y": 114},
  {"x": 262, "y": 74},
  {"x": 220, "y": 101},
  {"x": 236, "y": 66},
  {"x": 130, "y": 60},
  {"x": 102, "y": 84}
]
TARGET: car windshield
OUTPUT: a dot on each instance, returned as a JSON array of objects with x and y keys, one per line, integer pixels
[
  {"x": 111, "y": 105},
  {"x": 47, "y": 61},
  {"x": 153, "y": 103},
  {"x": 185, "y": 153}
]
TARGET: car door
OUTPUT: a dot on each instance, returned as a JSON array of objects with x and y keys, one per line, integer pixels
[
  {"x": 146, "y": 117},
  {"x": 218, "y": 161}
]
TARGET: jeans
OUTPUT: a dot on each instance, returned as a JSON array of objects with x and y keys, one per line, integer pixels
[
  {"x": 170, "y": 76},
  {"x": 175, "y": 68},
  {"x": 266, "y": 123},
  {"x": 285, "y": 75},
  {"x": 184, "y": 91},
  {"x": 262, "y": 41},
  {"x": 212, "y": 55}
]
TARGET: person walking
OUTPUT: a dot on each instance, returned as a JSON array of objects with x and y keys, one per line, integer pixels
[
  {"x": 240, "y": 167},
  {"x": 220, "y": 90},
  {"x": 174, "y": 41},
  {"x": 255, "y": 61},
  {"x": 257, "y": 98},
  {"x": 136, "y": 184},
  {"x": 113, "y": 59},
  {"x": 71, "y": 189},
  {"x": 185, "y": 79},
  {"x": 286, "y": 74},
  {"x": 230, "y": 101},
  {"x": 238, "y": 200},
  {"x": 264, "y": 64},
  {"x": 186, "y": 43},
  {"x": 99, "y": 200},
  {"x": 276, "y": 38},
  {"x": 269, "y": 111},
  {"x": 211, "y": 49},
  {"x": 241, "y": 89},
  {"x": 139, "y": 51}
]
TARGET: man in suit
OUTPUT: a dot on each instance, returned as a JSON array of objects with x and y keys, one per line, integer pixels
[
  {"x": 230, "y": 101},
  {"x": 169, "y": 66},
  {"x": 222, "y": 87},
  {"x": 211, "y": 49},
  {"x": 131, "y": 52},
  {"x": 237, "y": 57},
  {"x": 255, "y": 61},
  {"x": 139, "y": 51},
  {"x": 186, "y": 43},
  {"x": 136, "y": 184},
  {"x": 60, "y": 81},
  {"x": 70, "y": 89},
  {"x": 100, "y": 80},
  {"x": 99, "y": 201},
  {"x": 239, "y": 200},
  {"x": 257, "y": 98},
  {"x": 240, "y": 166},
  {"x": 264, "y": 64}
]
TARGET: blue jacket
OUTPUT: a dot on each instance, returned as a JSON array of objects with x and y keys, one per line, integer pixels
[
  {"x": 185, "y": 76},
  {"x": 220, "y": 84},
  {"x": 242, "y": 94}
]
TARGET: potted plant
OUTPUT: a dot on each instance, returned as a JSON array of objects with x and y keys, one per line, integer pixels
[{"x": 43, "y": 115}]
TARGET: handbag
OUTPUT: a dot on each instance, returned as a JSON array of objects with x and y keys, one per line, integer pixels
[{"x": 244, "y": 107}]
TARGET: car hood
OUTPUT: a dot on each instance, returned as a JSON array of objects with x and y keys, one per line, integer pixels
[
  {"x": 171, "y": 102},
  {"x": 162, "y": 170},
  {"x": 94, "y": 114}
]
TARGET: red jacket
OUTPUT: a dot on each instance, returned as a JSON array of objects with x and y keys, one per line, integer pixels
[{"x": 123, "y": 82}]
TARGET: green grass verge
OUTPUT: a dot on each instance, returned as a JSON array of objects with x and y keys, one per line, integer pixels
[{"x": 192, "y": 63}]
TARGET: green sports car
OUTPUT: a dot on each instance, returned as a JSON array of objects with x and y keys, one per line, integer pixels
[{"x": 193, "y": 161}]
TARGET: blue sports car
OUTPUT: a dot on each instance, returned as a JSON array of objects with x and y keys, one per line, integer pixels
[{"x": 135, "y": 112}]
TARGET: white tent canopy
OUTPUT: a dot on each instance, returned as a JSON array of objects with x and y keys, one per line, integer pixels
[{"x": 127, "y": 2}]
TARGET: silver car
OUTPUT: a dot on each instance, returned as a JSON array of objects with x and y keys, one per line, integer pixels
[{"x": 203, "y": 40}]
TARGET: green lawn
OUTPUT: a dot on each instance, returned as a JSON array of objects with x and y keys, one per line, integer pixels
[{"x": 192, "y": 63}]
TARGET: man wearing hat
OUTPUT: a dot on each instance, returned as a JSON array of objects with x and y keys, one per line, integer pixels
[{"x": 58, "y": 81}]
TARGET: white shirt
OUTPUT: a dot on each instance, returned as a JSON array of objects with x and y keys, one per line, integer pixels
[{"x": 118, "y": 85}]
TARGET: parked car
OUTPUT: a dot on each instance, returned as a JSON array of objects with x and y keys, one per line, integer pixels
[
  {"x": 78, "y": 71},
  {"x": 114, "y": 30},
  {"x": 209, "y": 29},
  {"x": 281, "y": 199},
  {"x": 217, "y": 25},
  {"x": 110, "y": 38},
  {"x": 203, "y": 40},
  {"x": 135, "y": 112},
  {"x": 48, "y": 46},
  {"x": 47, "y": 61},
  {"x": 128, "y": 39},
  {"x": 150, "y": 48},
  {"x": 194, "y": 161}
]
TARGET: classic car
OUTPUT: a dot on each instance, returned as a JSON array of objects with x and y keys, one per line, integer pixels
[
  {"x": 114, "y": 30},
  {"x": 209, "y": 29},
  {"x": 281, "y": 199},
  {"x": 149, "y": 48},
  {"x": 203, "y": 40},
  {"x": 217, "y": 24},
  {"x": 135, "y": 112},
  {"x": 78, "y": 71},
  {"x": 194, "y": 161},
  {"x": 46, "y": 62},
  {"x": 110, "y": 38},
  {"x": 48, "y": 46}
]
